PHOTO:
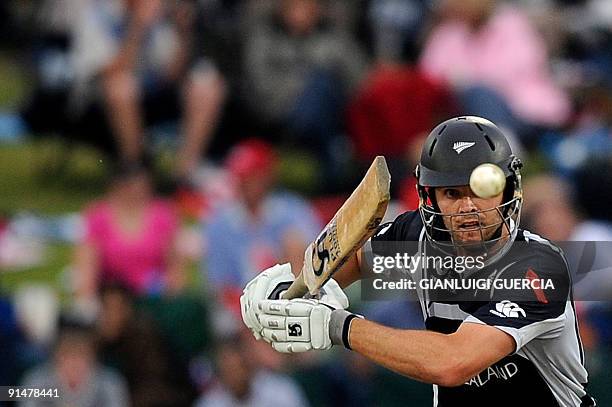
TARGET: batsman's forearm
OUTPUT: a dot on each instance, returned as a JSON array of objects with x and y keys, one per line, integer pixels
[
  {"x": 422, "y": 355},
  {"x": 349, "y": 272}
]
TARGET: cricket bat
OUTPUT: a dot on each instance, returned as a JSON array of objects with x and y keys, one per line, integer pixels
[{"x": 353, "y": 224}]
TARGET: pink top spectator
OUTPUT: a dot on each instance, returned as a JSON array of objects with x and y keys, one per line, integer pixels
[
  {"x": 138, "y": 261},
  {"x": 508, "y": 55}
]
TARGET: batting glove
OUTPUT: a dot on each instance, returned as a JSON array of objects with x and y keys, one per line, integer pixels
[
  {"x": 271, "y": 284},
  {"x": 300, "y": 325}
]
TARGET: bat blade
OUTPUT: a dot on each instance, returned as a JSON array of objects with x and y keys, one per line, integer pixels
[{"x": 353, "y": 224}]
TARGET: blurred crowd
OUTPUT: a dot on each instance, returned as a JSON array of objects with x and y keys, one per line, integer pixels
[{"x": 236, "y": 89}]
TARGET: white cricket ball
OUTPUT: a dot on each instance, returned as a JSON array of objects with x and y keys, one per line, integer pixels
[{"x": 487, "y": 180}]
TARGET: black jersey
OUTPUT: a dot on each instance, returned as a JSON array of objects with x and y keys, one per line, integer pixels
[{"x": 546, "y": 368}]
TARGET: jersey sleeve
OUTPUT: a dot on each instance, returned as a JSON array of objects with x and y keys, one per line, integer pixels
[
  {"x": 524, "y": 321},
  {"x": 530, "y": 313},
  {"x": 405, "y": 228},
  {"x": 390, "y": 239}
]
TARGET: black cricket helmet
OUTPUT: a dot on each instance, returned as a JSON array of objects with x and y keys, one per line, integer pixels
[{"x": 451, "y": 152}]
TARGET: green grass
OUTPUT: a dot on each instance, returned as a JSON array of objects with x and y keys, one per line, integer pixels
[
  {"x": 49, "y": 272},
  {"x": 298, "y": 171},
  {"x": 39, "y": 177},
  {"x": 13, "y": 82},
  {"x": 31, "y": 180}
]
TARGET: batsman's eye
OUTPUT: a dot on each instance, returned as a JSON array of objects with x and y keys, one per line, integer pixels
[{"x": 452, "y": 193}]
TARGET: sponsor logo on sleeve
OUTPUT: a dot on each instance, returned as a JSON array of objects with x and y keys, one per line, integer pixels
[{"x": 508, "y": 309}]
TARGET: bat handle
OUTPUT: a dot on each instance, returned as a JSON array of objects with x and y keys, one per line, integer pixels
[{"x": 297, "y": 289}]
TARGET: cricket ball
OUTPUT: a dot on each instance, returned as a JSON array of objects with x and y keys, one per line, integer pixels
[{"x": 487, "y": 180}]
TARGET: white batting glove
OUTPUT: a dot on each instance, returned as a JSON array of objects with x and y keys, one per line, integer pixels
[
  {"x": 271, "y": 284},
  {"x": 300, "y": 325}
]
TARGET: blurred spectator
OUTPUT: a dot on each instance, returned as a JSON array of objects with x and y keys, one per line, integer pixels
[
  {"x": 298, "y": 70},
  {"x": 241, "y": 383},
  {"x": 594, "y": 189},
  {"x": 594, "y": 198},
  {"x": 586, "y": 35},
  {"x": 258, "y": 229},
  {"x": 11, "y": 344},
  {"x": 46, "y": 109},
  {"x": 295, "y": 49},
  {"x": 37, "y": 309},
  {"x": 218, "y": 35},
  {"x": 74, "y": 371},
  {"x": 183, "y": 322},
  {"x": 138, "y": 56},
  {"x": 396, "y": 105},
  {"x": 6, "y": 30},
  {"x": 497, "y": 62},
  {"x": 393, "y": 23},
  {"x": 588, "y": 138},
  {"x": 392, "y": 112},
  {"x": 560, "y": 212},
  {"x": 351, "y": 381},
  {"x": 28, "y": 329},
  {"x": 548, "y": 208},
  {"x": 130, "y": 237},
  {"x": 130, "y": 343}
]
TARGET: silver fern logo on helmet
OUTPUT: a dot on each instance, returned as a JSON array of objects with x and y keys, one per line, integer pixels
[{"x": 459, "y": 146}]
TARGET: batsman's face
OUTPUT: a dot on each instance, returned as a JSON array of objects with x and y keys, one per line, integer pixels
[{"x": 468, "y": 217}]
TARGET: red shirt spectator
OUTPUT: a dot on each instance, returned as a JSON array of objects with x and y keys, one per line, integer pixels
[{"x": 396, "y": 105}]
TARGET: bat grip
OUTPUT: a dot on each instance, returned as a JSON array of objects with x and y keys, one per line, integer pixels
[{"x": 297, "y": 289}]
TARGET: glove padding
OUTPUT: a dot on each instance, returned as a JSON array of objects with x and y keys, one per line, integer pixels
[
  {"x": 270, "y": 284},
  {"x": 292, "y": 326},
  {"x": 300, "y": 325}
]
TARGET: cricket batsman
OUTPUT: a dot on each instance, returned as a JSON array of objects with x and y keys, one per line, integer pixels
[{"x": 520, "y": 350}]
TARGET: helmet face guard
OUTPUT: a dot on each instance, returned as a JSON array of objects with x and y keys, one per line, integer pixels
[
  {"x": 501, "y": 233},
  {"x": 442, "y": 166}
]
